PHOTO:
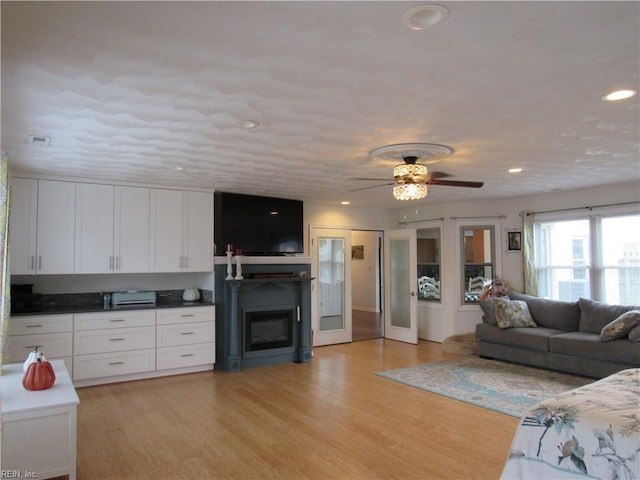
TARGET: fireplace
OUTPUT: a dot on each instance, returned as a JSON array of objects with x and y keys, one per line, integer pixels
[
  {"x": 263, "y": 321},
  {"x": 269, "y": 330}
]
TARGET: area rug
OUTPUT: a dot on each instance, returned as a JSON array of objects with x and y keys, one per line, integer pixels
[{"x": 500, "y": 386}]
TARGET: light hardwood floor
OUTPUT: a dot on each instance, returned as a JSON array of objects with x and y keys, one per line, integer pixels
[{"x": 331, "y": 418}]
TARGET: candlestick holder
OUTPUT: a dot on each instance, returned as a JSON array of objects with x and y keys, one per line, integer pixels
[
  {"x": 239, "y": 268},
  {"x": 229, "y": 265}
]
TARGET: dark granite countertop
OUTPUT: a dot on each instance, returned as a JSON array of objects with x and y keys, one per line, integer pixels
[
  {"x": 62, "y": 309},
  {"x": 93, "y": 302}
]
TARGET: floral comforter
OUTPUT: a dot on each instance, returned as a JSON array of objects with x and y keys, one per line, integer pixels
[{"x": 590, "y": 432}]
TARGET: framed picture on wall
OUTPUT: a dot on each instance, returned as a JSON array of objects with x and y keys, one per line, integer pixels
[
  {"x": 357, "y": 252},
  {"x": 514, "y": 240}
]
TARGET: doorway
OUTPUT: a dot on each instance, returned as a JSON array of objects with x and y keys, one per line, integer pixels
[{"x": 366, "y": 280}]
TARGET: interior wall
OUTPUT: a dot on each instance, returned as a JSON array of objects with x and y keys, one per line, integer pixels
[
  {"x": 364, "y": 272},
  {"x": 438, "y": 321}
]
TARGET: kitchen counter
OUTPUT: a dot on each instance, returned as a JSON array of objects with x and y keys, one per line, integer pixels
[
  {"x": 61, "y": 309},
  {"x": 93, "y": 302}
]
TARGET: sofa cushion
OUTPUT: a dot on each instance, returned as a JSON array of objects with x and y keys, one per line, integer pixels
[
  {"x": 551, "y": 313},
  {"x": 621, "y": 326},
  {"x": 634, "y": 334},
  {"x": 488, "y": 308},
  {"x": 588, "y": 345},
  {"x": 529, "y": 338},
  {"x": 595, "y": 315},
  {"x": 513, "y": 313}
]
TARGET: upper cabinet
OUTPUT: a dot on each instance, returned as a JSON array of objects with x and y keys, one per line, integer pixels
[
  {"x": 24, "y": 222},
  {"x": 112, "y": 229},
  {"x": 131, "y": 229},
  {"x": 197, "y": 227},
  {"x": 56, "y": 222},
  {"x": 181, "y": 231},
  {"x": 42, "y": 226},
  {"x": 65, "y": 227}
]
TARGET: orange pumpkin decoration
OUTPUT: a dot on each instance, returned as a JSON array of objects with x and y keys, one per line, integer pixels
[{"x": 39, "y": 375}]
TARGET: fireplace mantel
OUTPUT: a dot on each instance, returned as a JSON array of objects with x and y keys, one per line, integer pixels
[{"x": 251, "y": 294}]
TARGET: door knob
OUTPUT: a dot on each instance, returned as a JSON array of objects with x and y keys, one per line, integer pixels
[{"x": 413, "y": 294}]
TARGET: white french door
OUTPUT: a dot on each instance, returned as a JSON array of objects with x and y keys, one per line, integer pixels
[
  {"x": 401, "y": 282},
  {"x": 331, "y": 291}
]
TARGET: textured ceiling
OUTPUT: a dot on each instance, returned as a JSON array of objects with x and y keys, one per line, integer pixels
[{"x": 128, "y": 91}]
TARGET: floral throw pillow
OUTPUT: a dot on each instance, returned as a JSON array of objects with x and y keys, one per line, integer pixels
[
  {"x": 634, "y": 334},
  {"x": 513, "y": 313},
  {"x": 621, "y": 326}
]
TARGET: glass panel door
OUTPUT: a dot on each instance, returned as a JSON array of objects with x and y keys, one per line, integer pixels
[
  {"x": 331, "y": 266},
  {"x": 401, "y": 299}
]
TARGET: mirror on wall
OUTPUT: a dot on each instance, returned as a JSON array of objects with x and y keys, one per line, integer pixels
[
  {"x": 478, "y": 260},
  {"x": 428, "y": 250}
]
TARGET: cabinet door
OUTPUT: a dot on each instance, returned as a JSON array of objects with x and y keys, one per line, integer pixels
[
  {"x": 24, "y": 218},
  {"x": 94, "y": 229},
  {"x": 131, "y": 230},
  {"x": 166, "y": 231},
  {"x": 56, "y": 226},
  {"x": 198, "y": 232}
]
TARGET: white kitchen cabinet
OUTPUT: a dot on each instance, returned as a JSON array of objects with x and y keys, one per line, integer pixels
[
  {"x": 24, "y": 221},
  {"x": 185, "y": 337},
  {"x": 56, "y": 227},
  {"x": 94, "y": 228},
  {"x": 131, "y": 230},
  {"x": 42, "y": 226},
  {"x": 181, "y": 231},
  {"x": 113, "y": 343},
  {"x": 198, "y": 232},
  {"x": 51, "y": 334},
  {"x": 112, "y": 229}
]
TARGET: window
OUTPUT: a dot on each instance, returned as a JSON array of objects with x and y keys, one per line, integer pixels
[
  {"x": 596, "y": 257},
  {"x": 428, "y": 246}
]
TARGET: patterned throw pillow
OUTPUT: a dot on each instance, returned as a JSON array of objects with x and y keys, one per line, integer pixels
[
  {"x": 634, "y": 334},
  {"x": 621, "y": 326},
  {"x": 513, "y": 313}
]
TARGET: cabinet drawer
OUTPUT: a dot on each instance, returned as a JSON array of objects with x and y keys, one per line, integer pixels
[
  {"x": 53, "y": 345},
  {"x": 190, "y": 314},
  {"x": 185, "y": 333},
  {"x": 99, "y": 341},
  {"x": 109, "y": 364},
  {"x": 185, "y": 356},
  {"x": 103, "y": 320},
  {"x": 40, "y": 324}
]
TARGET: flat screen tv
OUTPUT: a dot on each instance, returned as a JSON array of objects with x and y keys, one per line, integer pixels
[{"x": 257, "y": 225}]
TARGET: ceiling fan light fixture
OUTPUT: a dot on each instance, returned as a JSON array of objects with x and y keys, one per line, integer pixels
[
  {"x": 410, "y": 191},
  {"x": 411, "y": 170}
]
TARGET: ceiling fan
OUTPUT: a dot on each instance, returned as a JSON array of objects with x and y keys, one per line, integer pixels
[{"x": 410, "y": 179}]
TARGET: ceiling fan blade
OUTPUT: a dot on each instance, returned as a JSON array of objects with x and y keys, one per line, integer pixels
[
  {"x": 438, "y": 175},
  {"x": 372, "y": 186},
  {"x": 456, "y": 183}
]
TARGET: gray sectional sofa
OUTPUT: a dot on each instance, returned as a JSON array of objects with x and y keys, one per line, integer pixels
[{"x": 568, "y": 336}]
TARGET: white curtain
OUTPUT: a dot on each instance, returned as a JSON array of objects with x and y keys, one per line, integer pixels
[{"x": 528, "y": 258}]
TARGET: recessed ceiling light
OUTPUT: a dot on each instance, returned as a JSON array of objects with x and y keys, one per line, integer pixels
[
  {"x": 514, "y": 170},
  {"x": 247, "y": 124},
  {"x": 345, "y": 203},
  {"x": 424, "y": 16},
  {"x": 619, "y": 95}
]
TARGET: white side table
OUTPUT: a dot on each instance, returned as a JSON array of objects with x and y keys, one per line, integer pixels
[{"x": 38, "y": 427}]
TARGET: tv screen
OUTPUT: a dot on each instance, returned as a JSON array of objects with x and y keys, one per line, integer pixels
[{"x": 258, "y": 225}]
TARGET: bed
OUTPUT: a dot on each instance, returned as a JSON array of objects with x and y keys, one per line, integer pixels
[{"x": 590, "y": 432}]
